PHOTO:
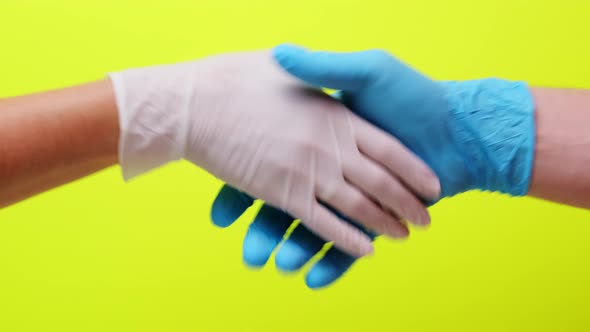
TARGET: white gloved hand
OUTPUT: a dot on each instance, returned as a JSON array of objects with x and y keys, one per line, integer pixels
[{"x": 240, "y": 117}]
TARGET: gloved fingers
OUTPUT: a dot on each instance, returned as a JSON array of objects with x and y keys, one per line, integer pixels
[
  {"x": 229, "y": 205},
  {"x": 329, "y": 268},
  {"x": 386, "y": 189},
  {"x": 334, "y": 263},
  {"x": 345, "y": 71},
  {"x": 369, "y": 233},
  {"x": 353, "y": 203},
  {"x": 400, "y": 161},
  {"x": 298, "y": 249},
  {"x": 264, "y": 234},
  {"x": 327, "y": 225}
]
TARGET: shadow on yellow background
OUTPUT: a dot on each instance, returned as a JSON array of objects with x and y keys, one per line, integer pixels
[{"x": 99, "y": 255}]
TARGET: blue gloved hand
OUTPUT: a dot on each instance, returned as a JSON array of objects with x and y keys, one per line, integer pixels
[
  {"x": 268, "y": 230},
  {"x": 474, "y": 134}
]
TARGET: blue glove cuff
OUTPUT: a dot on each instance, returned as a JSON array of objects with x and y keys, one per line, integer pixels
[{"x": 492, "y": 123}]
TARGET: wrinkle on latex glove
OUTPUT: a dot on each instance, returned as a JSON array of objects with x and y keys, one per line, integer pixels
[{"x": 494, "y": 122}]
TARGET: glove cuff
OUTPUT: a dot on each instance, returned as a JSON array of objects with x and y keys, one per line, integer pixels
[
  {"x": 152, "y": 120},
  {"x": 492, "y": 123}
]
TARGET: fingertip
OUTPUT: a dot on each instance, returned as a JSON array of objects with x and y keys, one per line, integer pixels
[
  {"x": 284, "y": 53},
  {"x": 229, "y": 205},
  {"x": 423, "y": 226},
  {"x": 319, "y": 280},
  {"x": 326, "y": 272},
  {"x": 288, "y": 47},
  {"x": 301, "y": 246},
  {"x": 421, "y": 217},
  {"x": 264, "y": 234},
  {"x": 366, "y": 247},
  {"x": 403, "y": 234},
  {"x": 255, "y": 262},
  {"x": 426, "y": 182},
  {"x": 424, "y": 221},
  {"x": 291, "y": 257},
  {"x": 434, "y": 188},
  {"x": 257, "y": 249}
]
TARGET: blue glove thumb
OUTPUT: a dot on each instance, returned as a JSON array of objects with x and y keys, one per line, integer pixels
[{"x": 340, "y": 71}]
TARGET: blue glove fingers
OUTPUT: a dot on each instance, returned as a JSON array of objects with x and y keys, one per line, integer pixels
[
  {"x": 264, "y": 234},
  {"x": 298, "y": 249},
  {"x": 344, "y": 71},
  {"x": 302, "y": 245},
  {"x": 334, "y": 264},
  {"x": 331, "y": 267},
  {"x": 229, "y": 205}
]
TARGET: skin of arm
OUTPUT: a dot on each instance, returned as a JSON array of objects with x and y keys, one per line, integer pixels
[
  {"x": 52, "y": 138},
  {"x": 562, "y": 149}
]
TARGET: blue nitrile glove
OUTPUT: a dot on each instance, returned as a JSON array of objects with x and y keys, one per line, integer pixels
[
  {"x": 474, "y": 134},
  {"x": 268, "y": 230}
]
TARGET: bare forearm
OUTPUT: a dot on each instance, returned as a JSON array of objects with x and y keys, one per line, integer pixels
[
  {"x": 52, "y": 138},
  {"x": 561, "y": 170}
]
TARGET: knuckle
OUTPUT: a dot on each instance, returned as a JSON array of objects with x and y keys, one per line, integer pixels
[{"x": 328, "y": 189}]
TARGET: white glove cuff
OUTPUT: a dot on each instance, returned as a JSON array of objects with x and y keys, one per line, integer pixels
[{"x": 153, "y": 120}]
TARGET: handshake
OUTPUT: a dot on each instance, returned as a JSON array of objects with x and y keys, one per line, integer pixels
[{"x": 360, "y": 162}]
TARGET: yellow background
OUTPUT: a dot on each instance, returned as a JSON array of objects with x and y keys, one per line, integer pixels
[{"x": 99, "y": 255}]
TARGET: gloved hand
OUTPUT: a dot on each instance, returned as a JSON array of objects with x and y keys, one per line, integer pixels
[
  {"x": 273, "y": 138},
  {"x": 473, "y": 134}
]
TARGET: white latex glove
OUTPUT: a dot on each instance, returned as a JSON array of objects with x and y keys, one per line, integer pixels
[{"x": 240, "y": 117}]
